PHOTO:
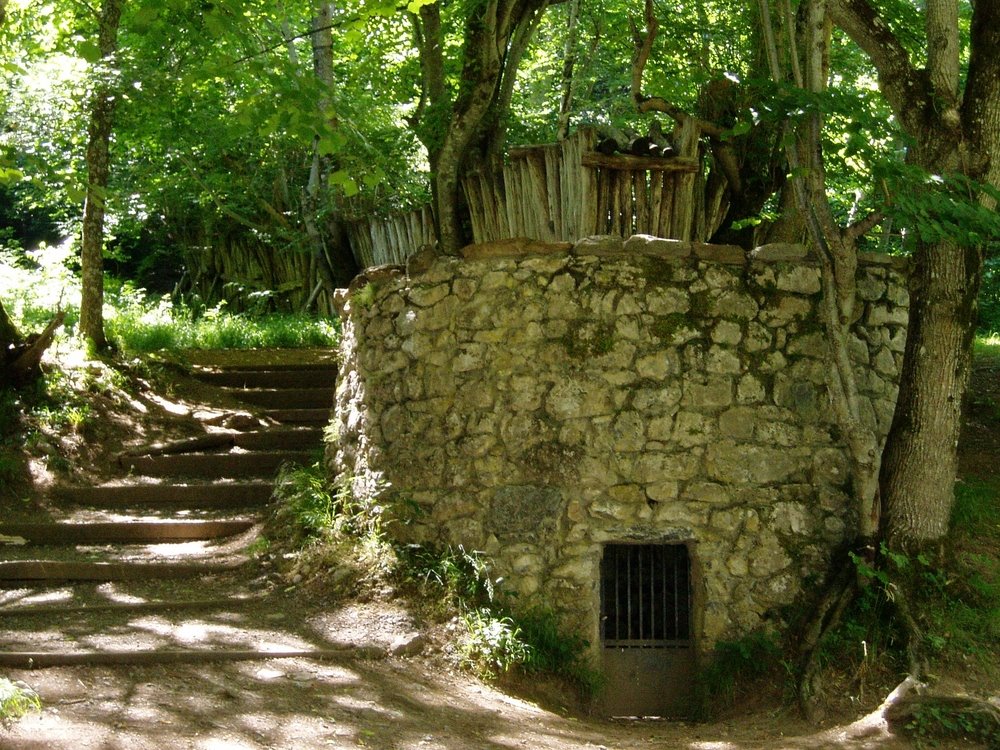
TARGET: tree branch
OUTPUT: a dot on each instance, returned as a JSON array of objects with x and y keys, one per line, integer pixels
[
  {"x": 862, "y": 226},
  {"x": 904, "y": 87}
]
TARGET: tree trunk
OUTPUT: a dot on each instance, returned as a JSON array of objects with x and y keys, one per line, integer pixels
[
  {"x": 921, "y": 458},
  {"x": 953, "y": 132},
  {"x": 569, "y": 63},
  {"x": 496, "y": 35},
  {"x": 9, "y": 335},
  {"x": 102, "y": 110}
]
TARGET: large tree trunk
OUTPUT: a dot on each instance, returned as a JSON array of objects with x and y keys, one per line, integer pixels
[
  {"x": 496, "y": 36},
  {"x": 102, "y": 110},
  {"x": 920, "y": 459},
  {"x": 954, "y": 132}
]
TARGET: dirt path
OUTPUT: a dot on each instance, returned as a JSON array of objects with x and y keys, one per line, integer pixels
[
  {"x": 362, "y": 697},
  {"x": 398, "y": 703}
]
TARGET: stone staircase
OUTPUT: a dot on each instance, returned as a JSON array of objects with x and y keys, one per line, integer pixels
[{"x": 153, "y": 566}]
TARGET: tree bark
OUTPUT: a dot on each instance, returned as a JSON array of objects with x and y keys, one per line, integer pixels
[
  {"x": 569, "y": 63},
  {"x": 954, "y": 132},
  {"x": 920, "y": 459},
  {"x": 9, "y": 335},
  {"x": 496, "y": 35},
  {"x": 102, "y": 110}
]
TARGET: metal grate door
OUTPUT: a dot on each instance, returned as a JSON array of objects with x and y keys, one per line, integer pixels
[{"x": 648, "y": 657}]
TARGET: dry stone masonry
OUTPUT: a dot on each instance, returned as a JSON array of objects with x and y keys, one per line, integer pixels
[{"x": 537, "y": 401}]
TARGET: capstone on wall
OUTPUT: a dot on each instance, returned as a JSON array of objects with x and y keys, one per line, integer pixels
[{"x": 538, "y": 401}]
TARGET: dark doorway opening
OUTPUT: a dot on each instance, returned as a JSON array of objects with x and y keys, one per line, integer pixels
[{"x": 647, "y": 651}]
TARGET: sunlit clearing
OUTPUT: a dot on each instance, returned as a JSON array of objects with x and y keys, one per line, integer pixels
[
  {"x": 267, "y": 673},
  {"x": 111, "y": 593},
  {"x": 45, "y": 597}
]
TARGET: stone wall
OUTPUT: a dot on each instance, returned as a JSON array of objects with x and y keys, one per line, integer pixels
[{"x": 537, "y": 401}]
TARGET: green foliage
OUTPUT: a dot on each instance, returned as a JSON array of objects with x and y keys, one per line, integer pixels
[
  {"x": 989, "y": 297},
  {"x": 955, "y": 600},
  {"x": 733, "y": 665},
  {"x": 137, "y": 323},
  {"x": 311, "y": 509},
  {"x": 462, "y": 577},
  {"x": 493, "y": 643},
  {"x": 553, "y": 650},
  {"x": 16, "y": 700},
  {"x": 933, "y": 720},
  {"x": 36, "y": 283},
  {"x": 941, "y": 208}
]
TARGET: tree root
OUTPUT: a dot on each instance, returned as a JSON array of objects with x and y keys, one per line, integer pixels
[
  {"x": 839, "y": 594},
  {"x": 20, "y": 362},
  {"x": 826, "y": 617}
]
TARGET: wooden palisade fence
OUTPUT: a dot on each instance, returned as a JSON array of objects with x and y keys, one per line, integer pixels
[
  {"x": 558, "y": 193},
  {"x": 252, "y": 275}
]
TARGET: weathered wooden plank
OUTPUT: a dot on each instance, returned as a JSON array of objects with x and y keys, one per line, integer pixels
[
  {"x": 538, "y": 203},
  {"x": 553, "y": 192},
  {"x": 639, "y": 189},
  {"x": 625, "y": 162},
  {"x": 666, "y": 206}
]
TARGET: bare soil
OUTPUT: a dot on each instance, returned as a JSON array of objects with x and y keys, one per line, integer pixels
[{"x": 368, "y": 696}]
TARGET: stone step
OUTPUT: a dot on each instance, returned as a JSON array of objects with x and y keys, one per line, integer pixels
[
  {"x": 300, "y": 416},
  {"x": 220, "y": 495},
  {"x": 43, "y": 659},
  {"x": 299, "y": 438},
  {"x": 281, "y": 438},
  {"x": 280, "y": 398},
  {"x": 26, "y": 614},
  {"x": 242, "y": 465},
  {"x": 262, "y": 359},
  {"x": 20, "y": 573},
  {"x": 318, "y": 377},
  {"x": 123, "y": 532}
]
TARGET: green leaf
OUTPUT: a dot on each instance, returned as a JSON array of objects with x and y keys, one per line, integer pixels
[
  {"x": 373, "y": 179},
  {"x": 76, "y": 193},
  {"x": 416, "y": 5},
  {"x": 10, "y": 176},
  {"x": 741, "y": 128},
  {"x": 146, "y": 17},
  {"x": 89, "y": 51},
  {"x": 345, "y": 182}
]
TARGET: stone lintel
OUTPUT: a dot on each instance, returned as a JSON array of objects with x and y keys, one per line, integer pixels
[
  {"x": 600, "y": 245},
  {"x": 896, "y": 262},
  {"x": 513, "y": 248},
  {"x": 730, "y": 254},
  {"x": 780, "y": 251},
  {"x": 658, "y": 247}
]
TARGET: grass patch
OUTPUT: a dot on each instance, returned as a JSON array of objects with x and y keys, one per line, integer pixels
[
  {"x": 16, "y": 700},
  {"x": 954, "y": 600},
  {"x": 987, "y": 346},
  {"x": 734, "y": 671},
  {"x": 334, "y": 540},
  {"x": 137, "y": 324}
]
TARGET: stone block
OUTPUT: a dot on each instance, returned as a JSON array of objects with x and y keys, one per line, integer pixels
[
  {"x": 523, "y": 509},
  {"x": 600, "y": 245},
  {"x": 779, "y": 251},
  {"x": 658, "y": 247}
]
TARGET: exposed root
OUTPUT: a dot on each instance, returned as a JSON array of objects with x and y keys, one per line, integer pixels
[
  {"x": 841, "y": 592},
  {"x": 826, "y": 617}
]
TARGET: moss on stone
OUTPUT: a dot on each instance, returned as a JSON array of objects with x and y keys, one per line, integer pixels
[
  {"x": 364, "y": 297},
  {"x": 656, "y": 271},
  {"x": 589, "y": 340},
  {"x": 665, "y": 326}
]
